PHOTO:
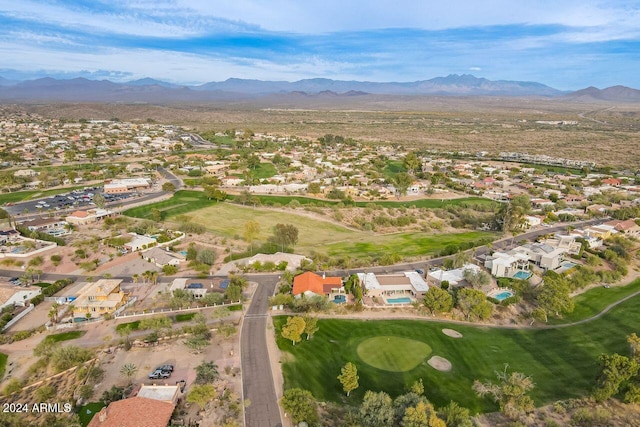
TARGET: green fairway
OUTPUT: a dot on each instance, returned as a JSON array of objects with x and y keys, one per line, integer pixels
[
  {"x": 264, "y": 171},
  {"x": 393, "y": 354},
  {"x": 64, "y": 336},
  {"x": 334, "y": 240},
  {"x": 595, "y": 300},
  {"x": 563, "y": 362},
  {"x": 183, "y": 201}
]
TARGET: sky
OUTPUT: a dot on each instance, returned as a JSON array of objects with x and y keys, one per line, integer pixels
[{"x": 566, "y": 44}]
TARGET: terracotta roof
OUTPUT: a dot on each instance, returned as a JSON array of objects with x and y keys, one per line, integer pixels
[
  {"x": 134, "y": 412},
  {"x": 314, "y": 283}
]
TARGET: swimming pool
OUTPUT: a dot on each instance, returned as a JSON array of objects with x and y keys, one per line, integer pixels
[
  {"x": 503, "y": 295},
  {"x": 522, "y": 275},
  {"x": 339, "y": 299},
  {"x": 403, "y": 300},
  {"x": 565, "y": 266}
]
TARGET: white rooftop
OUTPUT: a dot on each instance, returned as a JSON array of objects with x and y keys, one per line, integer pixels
[{"x": 453, "y": 276}]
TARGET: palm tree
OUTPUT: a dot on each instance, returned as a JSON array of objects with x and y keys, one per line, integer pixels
[
  {"x": 128, "y": 370},
  {"x": 135, "y": 278},
  {"x": 153, "y": 277},
  {"x": 71, "y": 308},
  {"x": 53, "y": 312}
]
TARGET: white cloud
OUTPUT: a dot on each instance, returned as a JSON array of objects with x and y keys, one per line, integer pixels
[{"x": 475, "y": 69}]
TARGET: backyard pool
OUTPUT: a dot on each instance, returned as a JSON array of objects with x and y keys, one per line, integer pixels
[
  {"x": 522, "y": 275},
  {"x": 501, "y": 294},
  {"x": 339, "y": 299},
  {"x": 565, "y": 266},
  {"x": 403, "y": 300}
]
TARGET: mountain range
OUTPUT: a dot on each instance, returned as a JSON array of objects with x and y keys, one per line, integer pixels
[{"x": 156, "y": 91}]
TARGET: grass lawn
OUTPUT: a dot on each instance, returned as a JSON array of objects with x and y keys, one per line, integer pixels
[
  {"x": 3, "y": 364},
  {"x": 393, "y": 353},
  {"x": 235, "y": 307},
  {"x": 264, "y": 171},
  {"x": 86, "y": 412},
  {"x": 334, "y": 240},
  {"x": 184, "y": 317},
  {"x": 64, "y": 336},
  {"x": 562, "y": 362},
  {"x": 595, "y": 300},
  {"x": 183, "y": 201},
  {"x": 393, "y": 168},
  {"x": 135, "y": 325}
]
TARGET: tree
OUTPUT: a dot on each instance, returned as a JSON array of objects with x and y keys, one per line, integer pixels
[
  {"x": 285, "y": 235},
  {"x": 310, "y": 326},
  {"x": 313, "y": 188},
  {"x": 156, "y": 215},
  {"x": 349, "y": 378},
  {"x": 206, "y": 256},
  {"x": 301, "y": 405},
  {"x": 412, "y": 163},
  {"x": 615, "y": 373},
  {"x": 634, "y": 344},
  {"x": 206, "y": 372},
  {"x": 99, "y": 200},
  {"x": 251, "y": 231},
  {"x": 402, "y": 181},
  {"x": 157, "y": 324},
  {"x": 422, "y": 415},
  {"x": 293, "y": 329},
  {"x": 455, "y": 415},
  {"x": 474, "y": 304},
  {"x": 376, "y": 410},
  {"x": 476, "y": 279},
  {"x": 169, "y": 187},
  {"x": 128, "y": 370},
  {"x": 510, "y": 392},
  {"x": 437, "y": 300},
  {"x": 554, "y": 296},
  {"x": 201, "y": 394},
  {"x": 192, "y": 252},
  {"x": 511, "y": 216}
]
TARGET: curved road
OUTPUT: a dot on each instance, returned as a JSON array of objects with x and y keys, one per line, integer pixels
[{"x": 257, "y": 379}]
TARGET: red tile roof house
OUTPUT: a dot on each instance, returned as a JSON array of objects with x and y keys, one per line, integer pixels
[
  {"x": 312, "y": 284},
  {"x": 134, "y": 412}
]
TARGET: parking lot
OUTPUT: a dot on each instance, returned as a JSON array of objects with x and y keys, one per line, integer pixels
[{"x": 76, "y": 199}]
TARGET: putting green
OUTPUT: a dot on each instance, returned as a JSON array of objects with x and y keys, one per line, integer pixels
[{"x": 393, "y": 354}]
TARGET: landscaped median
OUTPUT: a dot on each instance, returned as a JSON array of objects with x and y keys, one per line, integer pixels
[{"x": 562, "y": 362}]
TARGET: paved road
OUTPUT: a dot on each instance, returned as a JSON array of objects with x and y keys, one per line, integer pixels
[{"x": 257, "y": 379}]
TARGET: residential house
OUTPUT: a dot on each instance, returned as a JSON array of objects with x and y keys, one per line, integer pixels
[
  {"x": 310, "y": 284},
  {"x": 10, "y": 294},
  {"x": 162, "y": 257},
  {"x": 139, "y": 243},
  {"x": 99, "y": 298},
  {"x": 88, "y": 216},
  {"x": 507, "y": 264},
  {"x": 197, "y": 287},
  {"x": 543, "y": 255},
  {"x": 53, "y": 226},
  {"x": 385, "y": 285},
  {"x": 453, "y": 277},
  {"x": 628, "y": 227},
  {"x": 134, "y": 412}
]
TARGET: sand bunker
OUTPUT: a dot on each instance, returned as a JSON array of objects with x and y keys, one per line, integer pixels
[
  {"x": 440, "y": 363},
  {"x": 451, "y": 333}
]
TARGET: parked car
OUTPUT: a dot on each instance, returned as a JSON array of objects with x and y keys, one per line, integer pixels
[
  {"x": 158, "y": 374},
  {"x": 165, "y": 368}
]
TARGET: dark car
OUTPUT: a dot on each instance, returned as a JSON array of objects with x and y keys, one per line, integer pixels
[
  {"x": 419, "y": 271},
  {"x": 158, "y": 374},
  {"x": 165, "y": 368}
]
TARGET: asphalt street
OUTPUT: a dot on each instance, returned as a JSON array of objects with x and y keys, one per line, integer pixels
[{"x": 258, "y": 381}]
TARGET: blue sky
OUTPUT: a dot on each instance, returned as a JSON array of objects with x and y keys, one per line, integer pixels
[{"x": 566, "y": 44}]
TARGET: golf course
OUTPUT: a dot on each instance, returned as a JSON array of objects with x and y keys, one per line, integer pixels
[
  {"x": 392, "y": 354},
  {"x": 315, "y": 235}
]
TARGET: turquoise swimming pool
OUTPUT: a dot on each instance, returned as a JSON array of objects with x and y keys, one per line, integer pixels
[
  {"x": 522, "y": 275},
  {"x": 403, "y": 300},
  {"x": 503, "y": 295}
]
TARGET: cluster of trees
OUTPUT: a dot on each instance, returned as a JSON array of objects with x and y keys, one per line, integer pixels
[
  {"x": 511, "y": 216},
  {"x": 510, "y": 392},
  {"x": 620, "y": 375},
  {"x": 296, "y": 326},
  {"x": 471, "y": 302},
  {"x": 378, "y": 409}
]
